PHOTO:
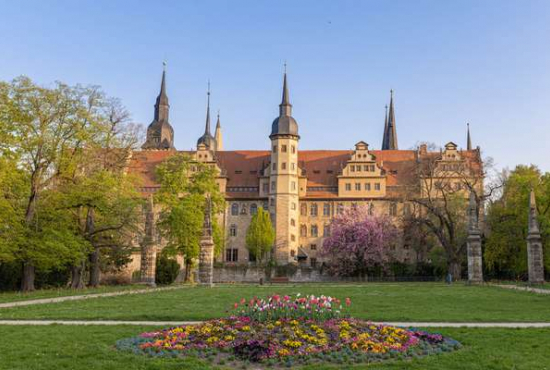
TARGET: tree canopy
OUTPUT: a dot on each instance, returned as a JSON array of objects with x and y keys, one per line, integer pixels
[{"x": 260, "y": 235}]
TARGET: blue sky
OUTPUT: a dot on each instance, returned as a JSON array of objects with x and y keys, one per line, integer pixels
[{"x": 486, "y": 62}]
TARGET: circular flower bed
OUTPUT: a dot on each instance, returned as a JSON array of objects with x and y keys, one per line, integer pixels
[{"x": 294, "y": 331}]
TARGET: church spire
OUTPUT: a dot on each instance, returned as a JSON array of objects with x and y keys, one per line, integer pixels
[
  {"x": 218, "y": 134},
  {"x": 469, "y": 139},
  {"x": 390, "y": 137},
  {"x": 160, "y": 134},
  {"x": 161, "y": 106},
  {"x": 385, "y": 128},
  {"x": 207, "y": 138}
]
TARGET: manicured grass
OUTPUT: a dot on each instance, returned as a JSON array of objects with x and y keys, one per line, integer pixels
[
  {"x": 64, "y": 292},
  {"x": 431, "y": 302},
  {"x": 91, "y": 348}
]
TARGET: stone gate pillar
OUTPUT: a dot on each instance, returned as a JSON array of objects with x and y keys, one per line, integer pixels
[
  {"x": 475, "y": 259},
  {"x": 206, "y": 254},
  {"x": 535, "y": 260},
  {"x": 149, "y": 247}
]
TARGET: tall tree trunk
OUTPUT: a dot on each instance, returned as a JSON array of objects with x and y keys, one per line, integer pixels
[
  {"x": 95, "y": 272},
  {"x": 27, "y": 282},
  {"x": 77, "y": 275},
  {"x": 29, "y": 271},
  {"x": 454, "y": 269},
  {"x": 94, "y": 256}
]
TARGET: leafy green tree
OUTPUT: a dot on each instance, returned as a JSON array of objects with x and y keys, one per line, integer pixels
[
  {"x": 507, "y": 220},
  {"x": 45, "y": 130},
  {"x": 185, "y": 185},
  {"x": 260, "y": 235}
]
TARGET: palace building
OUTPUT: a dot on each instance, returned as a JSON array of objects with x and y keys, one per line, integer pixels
[{"x": 302, "y": 189}]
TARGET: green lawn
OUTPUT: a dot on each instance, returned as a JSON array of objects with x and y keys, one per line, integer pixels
[
  {"x": 63, "y": 292},
  {"x": 429, "y": 302},
  {"x": 91, "y": 347}
]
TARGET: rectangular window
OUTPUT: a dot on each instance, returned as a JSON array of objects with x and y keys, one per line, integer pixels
[
  {"x": 274, "y": 167},
  {"x": 357, "y": 186},
  {"x": 233, "y": 230},
  {"x": 371, "y": 168},
  {"x": 313, "y": 262},
  {"x": 393, "y": 209},
  {"x": 293, "y": 185},
  {"x": 326, "y": 230},
  {"x": 232, "y": 255},
  {"x": 377, "y": 186},
  {"x": 273, "y": 185},
  {"x": 293, "y": 149},
  {"x": 314, "y": 231},
  {"x": 303, "y": 209},
  {"x": 340, "y": 208},
  {"x": 265, "y": 187},
  {"x": 313, "y": 210},
  {"x": 326, "y": 209},
  {"x": 303, "y": 230},
  {"x": 283, "y": 166},
  {"x": 348, "y": 186},
  {"x": 352, "y": 168},
  {"x": 293, "y": 166},
  {"x": 283, "y": 148},
  {"x": 292, "y": 238},
  {"x": 293, "y": 206},
  {"x": 313, "y": 247},
  {"x": 365, "y": 168},
  {"x": 274, "y": 148},
  {"x": 367, "y": 186}
]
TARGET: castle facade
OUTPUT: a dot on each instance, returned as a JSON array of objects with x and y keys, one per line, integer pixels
[{"x": 302, "y": 189}]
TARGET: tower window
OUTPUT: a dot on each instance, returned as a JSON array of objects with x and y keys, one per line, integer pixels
[
  {"x": 283, "y": 166},
  {"x": 293, "y": 148},
  {"x": 274, "y": 148},
  {"x": 293, "y": 185},
  {"x": 303, "y": 230},
  {"x": 303, "y": 209},
  {"x": 293, "y": 206},
  {"x": 292, "y": 222},
  {"x": 292, "y": 166},
  {"x": 292, "y": 238},
  {"x": 283, "y": 148}
]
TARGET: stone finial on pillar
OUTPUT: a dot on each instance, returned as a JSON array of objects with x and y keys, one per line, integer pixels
[
  {"x": 535, "y": 261},
  {"x": 206, "y": 254},
  {"x": 475, "y": 260},
  {"x": 149, "y": 247}
]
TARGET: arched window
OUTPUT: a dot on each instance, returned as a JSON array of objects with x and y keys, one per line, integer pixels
[
  {"x": 303, "y": 230},
  {"x": 253, "y": 209},
  {"x": 292, "y": 222},
  {"x": 234, "y": 209}
]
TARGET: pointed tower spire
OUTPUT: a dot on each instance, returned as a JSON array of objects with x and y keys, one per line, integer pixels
[
  {"x": 160, "y": 134},
  {"x": 218, "y": 134},
  {"x": 469, "y": 139},
  {"x": 285, "y": 108},
  {"x": 207, "y": 138},
  {"x": 161, "y": 106},
  {"x": 384, "y": 138},
  {"x": 391, "y": 137}
]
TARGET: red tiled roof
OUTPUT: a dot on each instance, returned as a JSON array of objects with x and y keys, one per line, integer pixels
[{"x": 244, "y": 167}]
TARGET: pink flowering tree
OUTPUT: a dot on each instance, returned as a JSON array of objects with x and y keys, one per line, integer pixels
[{"x": 358, "y": 242}]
